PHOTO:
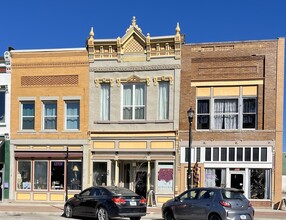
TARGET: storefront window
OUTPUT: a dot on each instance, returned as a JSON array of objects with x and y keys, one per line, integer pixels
[
  {"x": 57, "y": 174},
  {"x": 215, "y": 177},
  {"x": 260, "y": 184},
  {"x": 165, "y": 178},
  {"x": 74, "y": 175},
  {"x": 40, "y": 175},
  {"x": 24, "y": 175},
  {"x": 99, "y": 173}
]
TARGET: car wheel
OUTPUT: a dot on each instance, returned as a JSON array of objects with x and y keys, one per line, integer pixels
[
  {"x": 102, "y": 214},
  {"x": 135, "y": 218},
  {"x": 169, "y": 215},
  {"x": 214, "y": 217},
  {"x": 68, "y": 211}
]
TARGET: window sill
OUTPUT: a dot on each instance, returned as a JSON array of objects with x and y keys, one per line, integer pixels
[
  {"x": 26, "y": 131},
  {"x": 135, "y": 122},
  {"x": 3, "y": 125},
  {"x": 71, "y": 131},
  {"x": 49, "y": 131}
]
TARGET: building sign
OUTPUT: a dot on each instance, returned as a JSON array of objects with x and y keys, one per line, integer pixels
[{"x": 165, "y": 178}]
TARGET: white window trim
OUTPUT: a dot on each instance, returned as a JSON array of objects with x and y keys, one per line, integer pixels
[
  {"x": 45, "y": 101},
  {"x": 21, "y": 115},
  {"x": 65, "y": 115}
]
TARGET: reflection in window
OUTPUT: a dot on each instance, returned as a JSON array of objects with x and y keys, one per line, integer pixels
[
  {"x": 259, "y": 183},
  {"x": 215, "y": 177},
  {"x": 99, "y": 173},
  {"x": 57, "y": 174},
  {"x": 40, "y": 175},
  {"x": 24, "y": 175},
  {"x": 74, "y": 175},
  {"x": 255, "y": 156},
  {"x": 231, "y": 154},
  {"x": 247, "y": 155},
  {"x": 223, "y": 154},
  {"x": 105, "y": 101}
]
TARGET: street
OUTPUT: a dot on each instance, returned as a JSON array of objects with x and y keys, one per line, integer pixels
[{"x": 48, "y": 216}]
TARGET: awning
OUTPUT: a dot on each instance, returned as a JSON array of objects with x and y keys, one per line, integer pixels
[{"x": 51, "y": 155}]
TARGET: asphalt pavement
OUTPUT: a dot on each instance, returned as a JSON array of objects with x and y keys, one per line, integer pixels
[{"x": 152, "y": 212}]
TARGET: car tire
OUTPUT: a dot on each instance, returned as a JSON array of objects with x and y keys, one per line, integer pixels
[
  {"x": 135, "y": 218},
  {"x": 68, "y": 211},
  {"x": 102, "y": 214},
  {"x": 214, "y": 217},
  {"x": 169, "y": 215}
]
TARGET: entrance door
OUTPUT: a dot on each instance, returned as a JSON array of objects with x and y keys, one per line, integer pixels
[
  {"x": 101, "y": 173},
  {"x": 1, "y": 185},
  {"x": 237, "y": 180}
]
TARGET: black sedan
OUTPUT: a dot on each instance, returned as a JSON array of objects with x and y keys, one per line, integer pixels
[{"x": 106, "y": 202}]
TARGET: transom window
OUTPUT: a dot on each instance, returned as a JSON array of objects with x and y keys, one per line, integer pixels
[
  {"x": 28, "y": 115},
  {"x": 134, "y": 101},
  {"x": 240, "y": 154}
]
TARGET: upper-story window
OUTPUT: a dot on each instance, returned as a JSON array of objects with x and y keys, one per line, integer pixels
[
  {"x": 72, "y": 116},
  {"x": 28, "y": 115},
  {"x": 219, "y": 110},
  {"x": 105, "y": 101},
  {"x": 134, "y": 101},
  {"x": 2, "y": 106},
  {"x": 50, "y": 115},
  {"x": 164, "y": 100}
]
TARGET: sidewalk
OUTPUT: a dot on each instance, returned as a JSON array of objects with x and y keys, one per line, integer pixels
[{"x": 152, "y": 212}]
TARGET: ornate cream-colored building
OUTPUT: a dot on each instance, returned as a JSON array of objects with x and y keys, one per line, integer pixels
[{"x": 134, "y": 110}]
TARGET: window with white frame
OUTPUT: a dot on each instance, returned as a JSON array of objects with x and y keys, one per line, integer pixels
[
  {"x": 72, "y": 114},
  {"x": 239, "y": 154},
  {"x": 105, "y": 101},
  {"x": 2, "y": 106},
  {"x": 28, "y": 115},
  {"x": 197, "y": 154},
  {"x": 227, "y": 113},
  {"x": 164, "y": 100},
  {"x": 50, "y": 115},
  {"x": 134, "y": 100}
]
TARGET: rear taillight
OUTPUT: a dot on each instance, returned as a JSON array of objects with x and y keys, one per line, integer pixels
[
  {"x": 143, "y": 201},
  {"x": 225, "y": 203},
  {"x": 119, "y": 201}
]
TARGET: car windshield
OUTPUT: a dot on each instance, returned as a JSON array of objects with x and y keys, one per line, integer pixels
[
  {"x": 121, "y": 191},
  {"x": 229, "y": 194}
]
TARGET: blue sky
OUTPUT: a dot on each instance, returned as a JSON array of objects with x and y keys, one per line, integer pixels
[{"x": 39, "y": 24}]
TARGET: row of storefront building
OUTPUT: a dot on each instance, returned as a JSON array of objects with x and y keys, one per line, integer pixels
[{"x": 115, "y": 113}]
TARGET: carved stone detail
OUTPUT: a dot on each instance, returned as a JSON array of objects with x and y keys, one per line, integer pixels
[{"x": 135, "y": 68}]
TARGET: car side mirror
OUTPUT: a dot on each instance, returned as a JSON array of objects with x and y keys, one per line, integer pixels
[
  {"x": 177, "y": 198},
  {"x": 76, "y": 195}
]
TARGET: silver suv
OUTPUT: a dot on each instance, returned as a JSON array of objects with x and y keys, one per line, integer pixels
[{"x": 209, "y": 204}]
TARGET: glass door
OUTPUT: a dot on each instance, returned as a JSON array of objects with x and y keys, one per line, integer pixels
[
  {"x": 101, "y": 173},
  {"x": 237, "y": 180}
]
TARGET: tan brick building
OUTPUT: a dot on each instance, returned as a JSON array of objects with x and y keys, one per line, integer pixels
[
  {"x": 49, "y": 116},
  {"x": 236, "y": 90}
]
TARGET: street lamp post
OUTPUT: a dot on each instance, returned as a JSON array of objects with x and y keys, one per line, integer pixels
[{"x": 190, "y": 117}]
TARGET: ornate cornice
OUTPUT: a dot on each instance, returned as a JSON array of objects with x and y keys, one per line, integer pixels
[{"x": 135, "y": 68}]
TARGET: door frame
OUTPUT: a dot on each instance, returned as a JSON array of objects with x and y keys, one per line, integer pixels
[
  {"x": 108, "y": 171},
  {"x": 243, "y": 173}
]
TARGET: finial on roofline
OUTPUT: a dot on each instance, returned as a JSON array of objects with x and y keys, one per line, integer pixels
[
  {"x": 178, "y": 28},
  {"x": 91, "y": 33},
  {"x": 134, "y": 21}
]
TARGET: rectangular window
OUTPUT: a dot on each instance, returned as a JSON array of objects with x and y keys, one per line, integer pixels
[
  {"x": 40, "y": 175},
  {"x": 2, "y": 106},
  {"x": 260, "y": 181},
  {"x": 264, "y": 154},
  {"x": 208, "y": 154},
  {"x": 187, "y": 154},
  {"x": 28, "y": 115},
  {"x": 247, "y": 154},
  {"x": 50, "y": 115},
  {"x": 24, "y": 175},
  {"x": 72, "y": 115},
  {"x": 231, "y": 153},
  {"x": 198, "y": 157},
  {"x": 203, "y": 114},
  {"x": 255, "y": 155},
  {"x": 249, "y": 113},
  {"x": 226, "y": 114},
  {"x": 105, "y": 101},
  {"x": 75, "y": 175},
  {"x": 215, "y": 154},
  {"x": 57, "y": 175},
  {"x": 134, "y": 101},
  {"x": 239, "y": 154},
  {"x": 215, "y": 177},
  {"x": 163, "y": 100},
  {"x": 223, "y": 154}
]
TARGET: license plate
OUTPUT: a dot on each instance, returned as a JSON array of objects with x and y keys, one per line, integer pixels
[
  {"x": 133, "y": 203},
  {"x": 242, "y": 216}
]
